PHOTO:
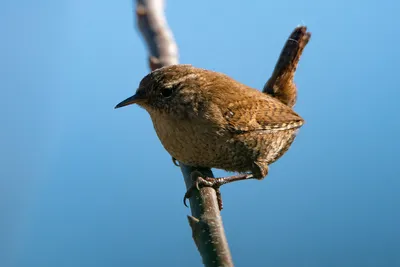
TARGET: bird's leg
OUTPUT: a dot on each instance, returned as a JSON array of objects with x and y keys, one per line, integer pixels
[
  {"x": 259, "y": 171},
  {"x": 215, "y": 183}
]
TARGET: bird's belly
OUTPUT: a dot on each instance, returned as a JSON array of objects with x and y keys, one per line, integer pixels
[
  {"x": 192, "y": 143},
  {"x": 197, "y": 144}
]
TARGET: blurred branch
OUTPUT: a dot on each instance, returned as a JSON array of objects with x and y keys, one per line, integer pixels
[
  {"x": 160, "y": 42},
  {"x": 281, "y": 84},
  {"x": 206, "y": 222}
]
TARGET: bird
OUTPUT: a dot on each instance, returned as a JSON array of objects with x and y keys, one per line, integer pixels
[{"x": 205, "y": 118}]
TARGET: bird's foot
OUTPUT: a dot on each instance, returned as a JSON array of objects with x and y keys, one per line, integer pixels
[
  {"x": 215, "y": 183},
  {"x": 176, "y": 163}
]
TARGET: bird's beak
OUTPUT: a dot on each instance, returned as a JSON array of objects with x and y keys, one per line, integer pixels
[{"x": 130, "y": 100}]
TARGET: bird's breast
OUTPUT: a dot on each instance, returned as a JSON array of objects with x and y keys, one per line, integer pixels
[{"x": 190, "y": 141}]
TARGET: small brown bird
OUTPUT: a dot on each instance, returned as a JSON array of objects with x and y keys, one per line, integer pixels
[{"x": 205, "y": 118}]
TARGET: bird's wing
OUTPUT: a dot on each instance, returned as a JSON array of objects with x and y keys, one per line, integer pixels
[
  {"x": 239, "y": 108},
  {"x": 261, "y": 114}
]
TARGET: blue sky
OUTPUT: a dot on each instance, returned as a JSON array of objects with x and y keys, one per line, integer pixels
[{"x": 82, "y": 184}]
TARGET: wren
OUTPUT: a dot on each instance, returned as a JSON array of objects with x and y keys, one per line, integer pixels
[{"x": 207, "y": 119}]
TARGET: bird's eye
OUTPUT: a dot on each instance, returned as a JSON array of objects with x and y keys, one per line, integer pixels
[{"x": 166, "y": 92}]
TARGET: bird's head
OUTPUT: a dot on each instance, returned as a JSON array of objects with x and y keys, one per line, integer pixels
[{"x": 169, "y": 89}]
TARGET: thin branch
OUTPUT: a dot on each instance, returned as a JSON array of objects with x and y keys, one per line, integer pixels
[
  {"x": 281, "y": 84},
  {"x": 153, "y": 25},
  {"x": 206, "y": 222}
]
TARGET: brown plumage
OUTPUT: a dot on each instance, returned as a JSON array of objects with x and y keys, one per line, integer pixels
[{"x": 205, "y": 118}]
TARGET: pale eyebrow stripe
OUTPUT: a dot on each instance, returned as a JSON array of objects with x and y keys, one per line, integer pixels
[{"x": 182, "y": 79}]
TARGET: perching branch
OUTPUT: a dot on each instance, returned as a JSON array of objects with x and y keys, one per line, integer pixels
[
  {"x": 206, "y": 222},
  {"x": 281, "y": 84}
]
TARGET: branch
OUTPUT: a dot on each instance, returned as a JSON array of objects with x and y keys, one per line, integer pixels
[
  {"x": 206, "y": 222},
  {"x": 152, "y": 23},
  {"x": 281, "y": 84}
]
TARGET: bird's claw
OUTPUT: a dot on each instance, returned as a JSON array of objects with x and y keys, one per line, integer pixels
[
  {"x": 176, "y": 163},
  {"x": 215, "y": 183},
  {"x": 200, "y": 182}
]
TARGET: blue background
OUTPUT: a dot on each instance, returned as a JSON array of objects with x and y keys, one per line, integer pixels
[{"x": 82, "y": 184}]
